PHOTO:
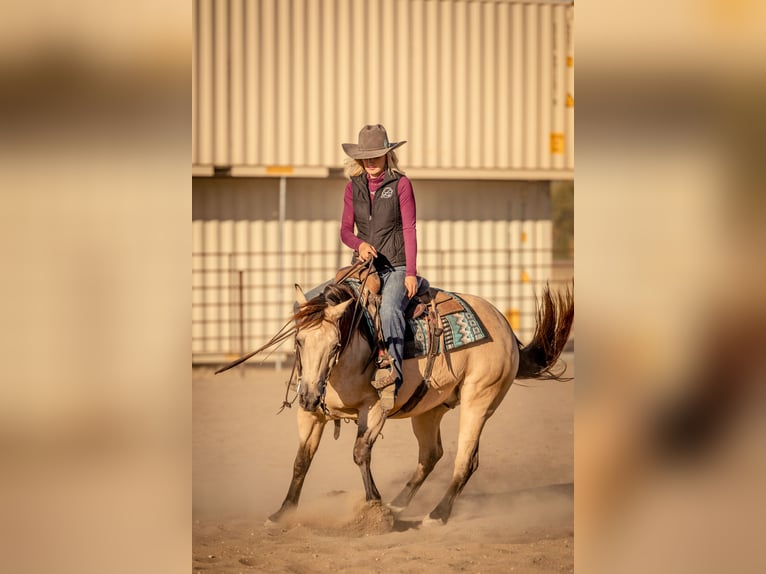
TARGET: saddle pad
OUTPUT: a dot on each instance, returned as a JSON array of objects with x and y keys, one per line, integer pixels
[{"x": 461, "y": 327}]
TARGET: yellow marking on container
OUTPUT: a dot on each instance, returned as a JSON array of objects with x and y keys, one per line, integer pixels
[
  {"x": 569, "y": 102},
  {"x": 512, "y": 316},
  {"x": 279, "y": 169},
  {"x": 570, "y": 61},
  {"x": 525, "y": 277},
  {"x": 557, "y": 143},
  {"x": 524, "y": 236}
]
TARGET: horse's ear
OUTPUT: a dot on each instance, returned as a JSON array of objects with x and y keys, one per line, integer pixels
[
  {"x": 299, "y": 295},
  {"x": 334, "y": 313}
]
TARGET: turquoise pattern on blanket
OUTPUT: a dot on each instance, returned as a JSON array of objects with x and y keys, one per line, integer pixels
[{"x": 460, "y": 329}]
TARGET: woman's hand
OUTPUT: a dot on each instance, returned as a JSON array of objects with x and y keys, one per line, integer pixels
[
  {"x": 366, "y": 251},
  {"x": 411, "y": 284}
]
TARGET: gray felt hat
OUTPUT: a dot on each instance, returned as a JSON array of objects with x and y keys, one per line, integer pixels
[{"x": 373, "y": 142}]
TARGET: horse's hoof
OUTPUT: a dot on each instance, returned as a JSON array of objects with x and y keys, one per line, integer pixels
[
  {"x": 270, "y": 523},
  {"x": 428, "y": 522},
  {"x": 275, "y": 519},
  {"x": 395, "y": 509}
]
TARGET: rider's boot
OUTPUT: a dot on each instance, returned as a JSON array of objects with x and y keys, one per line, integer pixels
[{"x": 384, "y": 381}]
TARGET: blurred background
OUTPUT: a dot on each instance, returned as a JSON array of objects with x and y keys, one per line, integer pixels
[
  {"x": 95, "y": 142},
  {"x": 95, "y": 209},
  {"x": 670, "y": 282}
]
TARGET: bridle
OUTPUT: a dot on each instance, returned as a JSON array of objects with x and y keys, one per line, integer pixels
[
  {"x": 297, "y": 371},
  {"x": 332, "y": 360}
]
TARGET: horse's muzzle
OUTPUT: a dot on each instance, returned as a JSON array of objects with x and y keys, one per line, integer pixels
[{"x": 311, "y": 396}]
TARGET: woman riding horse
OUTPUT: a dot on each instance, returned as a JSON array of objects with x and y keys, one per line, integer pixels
[{"x": 334, "y": 358}]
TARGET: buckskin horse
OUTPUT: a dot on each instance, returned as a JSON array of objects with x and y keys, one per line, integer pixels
[{"x": 335, "y": 368}]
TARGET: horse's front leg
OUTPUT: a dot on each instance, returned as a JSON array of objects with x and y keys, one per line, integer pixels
[
  {"x": 371, "y": 422},
  {"x": 310, "y": 428}
]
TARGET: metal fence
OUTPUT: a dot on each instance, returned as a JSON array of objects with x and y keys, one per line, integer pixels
[{"x": 240, "y": 300}]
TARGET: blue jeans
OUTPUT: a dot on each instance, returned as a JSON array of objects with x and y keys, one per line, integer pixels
[{"x": 393, "y": 303}]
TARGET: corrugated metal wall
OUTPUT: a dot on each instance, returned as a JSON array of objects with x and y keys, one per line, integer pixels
[{"x": 478, "y": 88}]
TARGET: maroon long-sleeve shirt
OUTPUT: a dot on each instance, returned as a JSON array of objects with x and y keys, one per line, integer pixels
[{"x": 406, "y": 208}]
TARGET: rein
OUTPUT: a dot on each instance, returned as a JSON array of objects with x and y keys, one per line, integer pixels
[
  {"x": 279, "y": 338},
  {"x": 355, "y": 318},
  {"x": 357, "y": 306}
]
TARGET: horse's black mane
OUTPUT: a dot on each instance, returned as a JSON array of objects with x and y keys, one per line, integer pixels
[
  {"x": 312, "y": 313},
  {"x": 336, "y": 293}
]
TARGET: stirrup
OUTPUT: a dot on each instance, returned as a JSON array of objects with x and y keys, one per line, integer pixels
[{"x": 383, "y": 378}]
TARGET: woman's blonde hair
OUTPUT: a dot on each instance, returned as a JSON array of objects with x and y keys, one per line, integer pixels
[{"x": 353, "y": 167}]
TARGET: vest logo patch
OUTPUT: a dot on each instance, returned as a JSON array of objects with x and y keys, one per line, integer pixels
[{"x": 387, "y": 193}]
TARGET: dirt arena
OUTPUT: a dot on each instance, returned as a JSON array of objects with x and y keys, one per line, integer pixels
[{"x": 515, "y": 514}]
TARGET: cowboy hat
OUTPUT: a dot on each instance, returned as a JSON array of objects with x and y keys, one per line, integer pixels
[{"x": 373, "y": 142}]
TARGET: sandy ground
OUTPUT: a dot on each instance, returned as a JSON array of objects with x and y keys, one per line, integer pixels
[{"x": 515, "y": 514}]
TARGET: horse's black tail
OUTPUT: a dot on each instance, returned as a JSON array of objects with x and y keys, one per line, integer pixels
[{"x": 555, "y": 315}]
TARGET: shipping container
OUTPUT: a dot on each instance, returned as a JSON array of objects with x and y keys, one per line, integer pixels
[{"x": 480, "y": 89}]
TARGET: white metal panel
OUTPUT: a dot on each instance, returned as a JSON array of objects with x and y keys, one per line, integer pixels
[
  {"x": 481, "y": 85},
  {"x": 389, "y": 68},
  {"x": 445, "y": 101},
  {"x": 198, "y": 55},
  {"x": 329, "y": 131},
  {"x": 475, "y": 87},
  {"x": 204, "y": 86},
  {"x": 431, "y": 139},
  {"x": 502, "y": 72},
  {"x": 560, "y": 88},
  {"x": 237, "y": 83},
  {"x": 416, "y": 88},
  {"x": 490, "y": 85},
  {"x": 312, "y": 96},
  {"x": 221, "y": 85},
  {"x": 347, "y": 81},
  {"x": 516, "y": 127},
  {"x": 545, "y": 97},
  {"x": 267, "y": 114},
  {"x": 460, "y": 86},
  {"x": 285, "y": 107},
  {"x": 252, "y": 97},
  {"x": 530, "y": 86},
  {"x": 569, "y": 103}
]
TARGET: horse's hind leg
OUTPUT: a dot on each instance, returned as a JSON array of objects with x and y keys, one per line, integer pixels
[
  {"x": 472, "y": 422},
  {"x": 426, "y": 429},
  {"x": 310, "y": 428}
]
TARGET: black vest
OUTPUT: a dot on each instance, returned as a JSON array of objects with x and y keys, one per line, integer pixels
[{"x": 379, "y": 222}]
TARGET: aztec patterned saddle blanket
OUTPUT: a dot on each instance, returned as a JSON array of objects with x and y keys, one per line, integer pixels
[{"x": 460, "y": 325}]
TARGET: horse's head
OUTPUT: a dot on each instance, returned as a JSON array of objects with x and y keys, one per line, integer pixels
[{"x": 317, "y": 345}]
